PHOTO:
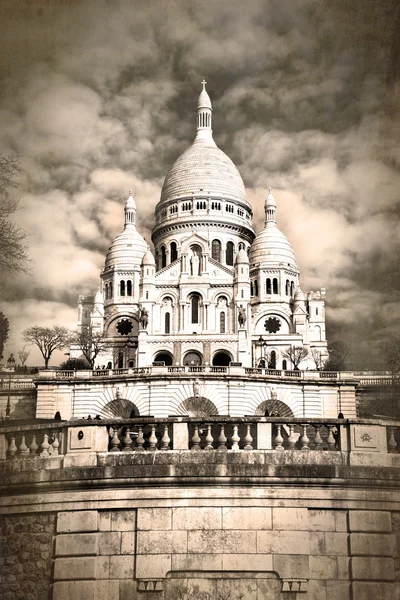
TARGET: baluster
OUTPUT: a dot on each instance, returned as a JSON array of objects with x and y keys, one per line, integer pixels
[
  {"x": 140, "y": 440},
  {"x": 55, "y": 444},
  {"x": 196, "y": 439},
  {"x": 247, "y": 438},
  {"x": 209, "y": 439},
  {"x": 127, "y": 441},
  {"x": 292, "y": 438},
  {"x": 12, "y": 448},
  {"x": 392, "y": 444},
  {"x": 114, "y": 440},
  {"x": 153, "y": 439},
  {"x": 318, "y": 441},
  {"x": 23, "y": 448},
  {"x": 235, "y": 439},
  {"x": 330, "y": 439},
  {"x": 279, "y": 439},
  {"x": 165, "y": 440},
  {"x": 304, "y": 440},
  {"x": 45, "y": 446},
  {"x": 222, "y": 438},
  {"x": 33, "y": 447}
]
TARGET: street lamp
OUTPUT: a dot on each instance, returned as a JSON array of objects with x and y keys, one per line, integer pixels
[
  {"x": 11, "y": 367},
  {"x": 263, "y": 345}
]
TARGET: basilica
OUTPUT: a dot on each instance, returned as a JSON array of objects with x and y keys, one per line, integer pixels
[{"x": 213, "y": 292}]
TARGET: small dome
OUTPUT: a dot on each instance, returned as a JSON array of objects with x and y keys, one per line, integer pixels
[
  {"x": 128, "y": 248},
  {"x": 130, "y": 203},
  {"x": 98, "y": 298},
  {"x": 242, "y": 257},
  {"x": 148, "y": 259},
  {"x": 299, "y": 296},
  {"x": 271, "y": 246},
  {"x": 204, "y": 100}
]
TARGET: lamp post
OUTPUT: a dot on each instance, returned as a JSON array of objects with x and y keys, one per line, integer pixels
[
  {"x": 263, "y": 345},
  {"x": 11, "y": 367}
]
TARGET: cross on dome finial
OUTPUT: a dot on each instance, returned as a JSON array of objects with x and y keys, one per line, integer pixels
[
  {"x": 270, "y": 189},
  {"x": 204, "y": 83},
  {"x": 130, "y": 192}
]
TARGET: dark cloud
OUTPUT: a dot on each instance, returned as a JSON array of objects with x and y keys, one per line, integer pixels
[{"x": 98, "y": 97}]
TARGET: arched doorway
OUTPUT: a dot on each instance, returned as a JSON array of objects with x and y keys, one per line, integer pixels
[
  {"x": 192, "y": 359},
  {"x": 222, "y": 358},
  {"x": 165, "y": 357},
  {"x": 120, "y": 408},
  {"x": 273, "y": 407},
  {"x": 197, "y": 406}
]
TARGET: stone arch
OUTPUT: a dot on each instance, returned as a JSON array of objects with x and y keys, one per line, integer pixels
[
  {"x": 120, "y": 408},
  {"x": 272, "y": 405},
  {"x": 197, "y": 406},
  {"x": 164, "y": 356},
  {"x": 221, "y": 358},
  {"x": 193, "y": 358}
]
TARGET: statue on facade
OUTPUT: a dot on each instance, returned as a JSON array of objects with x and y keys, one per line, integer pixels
[
  {"x": 196, "y": 388},
  {"x": 195, "y": 263},
  {"x": 242, "y": 316},
  {"x": 144, "y": 317}
]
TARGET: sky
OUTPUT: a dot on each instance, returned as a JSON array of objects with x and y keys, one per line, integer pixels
[{"x": 99, "y": 96}]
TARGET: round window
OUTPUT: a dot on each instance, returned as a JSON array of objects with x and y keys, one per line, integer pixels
[{"x": 124, "y": 327}]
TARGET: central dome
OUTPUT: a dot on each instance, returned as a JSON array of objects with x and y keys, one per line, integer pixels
[{"x": 203, "y": 169}]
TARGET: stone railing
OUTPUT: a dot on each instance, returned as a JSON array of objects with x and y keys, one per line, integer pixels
[
  {"x": 208, "y": 370},
  {"x": 313, "y": 437}
]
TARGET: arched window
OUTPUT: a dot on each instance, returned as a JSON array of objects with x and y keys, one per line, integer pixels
[
  {"x": 106, "y": 291},
  {"x": 241, "y": 246},
  {"x": 120, "y": 360},
  {"x": 316, "y": 311},
  {"x": 167, "y": 322},
  {"x": 275, "y": 286},
  {"x": 229, "y": 253},
  {"x": 173, "y": 251},
  {"x": 122, "y": 288},
  {"x": 256, "y": 287},
  {"x": 216, "y": 250},
  {"x": 222, "y": 323},
  {"x": 284, "y": 365},
  {"x": 287, "y": 287},
  {"x": 272, "y": 360},
  {"x": 292, "y": 288},
  {"x": 163, "y": 257},
  {"x": 268, "y": 286},
  {"x": 129, "y": 288},
  {"x": 111, "y": 289},
  {"x": 195, "y": 309},
  {"x": 251, "y": 289}
]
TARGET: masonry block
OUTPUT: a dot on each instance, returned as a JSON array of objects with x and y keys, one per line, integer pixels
[
  {"x": 363, "y": 590},
  {"x": 337, "y": 590},
  {"x": 283, "y": 542},
  {"x": 323, "y": 567},
  {"x": 83, "y": 567},
  {"x": 152, "y": 566},
  {"x": 103, "y": 567},
  {"x": 372, "y": 544},
  {"x": 316, "y": 590},
  {"x": 336, "y": 544},
  {"x": 290, "y": 518},
  {"x": 216, "y": 541},
  {"x": 74, "y": 590},
  {"x": 127, "y": 542},
  {"x": 121, "y": 567},
  {"x": 123, "y": 520},
  {"x": 104, "y": 520},
  {"x": 154, "y": 519},
  {"x": 109, "y": 542},
  {"x": 246, "y": 517},
  {"x": 197, "y": 562},
  {"x": 317, "y": 543},
  {"x": 321, "y": 520},
  {"x": 167, "y": 542},
  {"x": 370, "y": 520},
  {"x": 372, "y": 568},
  {"x": 193, "y": 517},
  {"x": 288, "y": 566},
  {"x": 107, "y": 590},
  {"x": 78, "y": 521},
  {"x": 81, "y": 544},
  {"x": 128, "y": 591},
  {"x": 341, "y": 520},
  {"x": 247, "y": 562}
]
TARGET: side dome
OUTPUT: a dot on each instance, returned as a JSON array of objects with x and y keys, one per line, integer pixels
[
  {"x": 271, "y": 245},
  {"x": 129, "y": 246},
  {"x": 242, "y": 258},
  {"x": 148, "y": 259}
]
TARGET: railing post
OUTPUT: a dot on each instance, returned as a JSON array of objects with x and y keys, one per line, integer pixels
[
  {"x": 3, "y": 446},
  {"x": 264, "y": 436}
]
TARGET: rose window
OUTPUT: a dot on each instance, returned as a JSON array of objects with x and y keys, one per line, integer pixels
[
  {"x": 272, "y": 325},
  {"x": 124, "y": 327}
]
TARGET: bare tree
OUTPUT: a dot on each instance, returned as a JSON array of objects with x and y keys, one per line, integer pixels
[
  {"x": 90, "y": 342},
  {"x": 4, "y": 331},
  {"x": 13, "y": 247},
  {"x": 339, "y": 355},
  {"x": 23, "y": 355},
  {"x": 319, "y": 359},
  {"x": 47, "y": 339},
  {"x": 296, "y": 355}
]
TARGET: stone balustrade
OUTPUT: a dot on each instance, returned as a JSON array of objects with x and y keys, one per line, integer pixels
[{"x": 316, "y": 437}]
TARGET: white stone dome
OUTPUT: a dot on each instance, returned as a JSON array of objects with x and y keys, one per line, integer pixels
[
  {"x": 148, "y": 259},
  {"x": 98, "y": 297},
  {"x": 272, "y": 246},
  {"x": 128, "y": 248},
  {"x": 242, "y": 257},
  {"x": 203, "y": 169}
]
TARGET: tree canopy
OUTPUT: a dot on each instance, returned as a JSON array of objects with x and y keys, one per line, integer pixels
[
  {"x": 90, "y": 342},
  {"x": 296, "y": 355},
  {"x": 47, "y": 339},
  {"x": 4, "y": 331}
]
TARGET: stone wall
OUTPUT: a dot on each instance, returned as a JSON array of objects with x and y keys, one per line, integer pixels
[{"x": 26, "y": 556}]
